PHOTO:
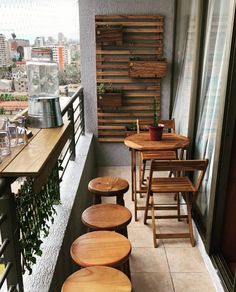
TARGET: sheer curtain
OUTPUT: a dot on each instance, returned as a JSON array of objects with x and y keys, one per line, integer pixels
[
  {"x": 186, "y": 84},
  {"x": 213, "y": 88}
]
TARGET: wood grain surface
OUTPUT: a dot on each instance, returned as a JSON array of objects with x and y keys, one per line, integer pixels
[
  {"x": 35, "y": 155},
  {"x": 100, "y": 248},
  {"x": 170, "y": 141},
  {"x": 106, "y": 217},
  {"x": 108, "y": 186},
  {"x": 97, "y": 279}
]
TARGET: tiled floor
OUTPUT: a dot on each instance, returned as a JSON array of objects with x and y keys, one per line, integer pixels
[{"x": 174, "y": 265}]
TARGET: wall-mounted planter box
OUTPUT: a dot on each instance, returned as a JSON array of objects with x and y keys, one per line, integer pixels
[
  {"x": 148, "y": 68},
  {"x": 112, "y": 35},
  {"x": 110, "y": 99}
]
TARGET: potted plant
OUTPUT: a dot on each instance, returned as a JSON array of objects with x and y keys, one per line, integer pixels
[
  {"x": 156, "y": 129},
  {"x": 109, "y": 96}
]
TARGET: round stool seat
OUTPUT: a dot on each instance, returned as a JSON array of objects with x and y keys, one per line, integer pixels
[
  {"x": 99, "y": 279},
  {"x": 106, "y": 217},
  {"x": 108, "y": 186},
  {"x": 100, "y": 248}
]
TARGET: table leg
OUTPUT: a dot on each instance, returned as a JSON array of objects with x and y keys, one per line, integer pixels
[
  {"x": 132, "y": 173},
  {"x": 134, "y": 184}
]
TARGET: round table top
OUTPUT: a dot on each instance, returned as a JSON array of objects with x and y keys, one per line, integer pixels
[
  {"x": 99, "y": 279},
  {"x": 170, "y": 141},
  {"x": 106, "y": 217},
  {"x": 108, "y": 185},
  {"x": 100, "y": 248}
]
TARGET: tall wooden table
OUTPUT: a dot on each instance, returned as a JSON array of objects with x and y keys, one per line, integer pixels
[{"x": 141, "y": 142}]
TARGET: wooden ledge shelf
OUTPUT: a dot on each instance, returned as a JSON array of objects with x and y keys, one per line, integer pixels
[{"x": 37, "y": 159}]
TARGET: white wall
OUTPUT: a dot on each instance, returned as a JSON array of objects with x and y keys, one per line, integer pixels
[{"x": 117, "y": 153}]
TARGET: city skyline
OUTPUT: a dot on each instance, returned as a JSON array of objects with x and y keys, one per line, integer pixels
[{"x": 29, "y": 19}]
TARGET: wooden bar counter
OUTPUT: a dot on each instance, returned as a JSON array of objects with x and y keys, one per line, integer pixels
[{"x": 38, "y": 157}]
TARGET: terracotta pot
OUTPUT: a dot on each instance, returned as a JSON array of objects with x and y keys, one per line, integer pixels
[{"x": 156, "y": 132}]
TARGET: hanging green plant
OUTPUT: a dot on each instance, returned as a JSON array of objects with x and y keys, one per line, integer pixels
[{"x": 34, "y": 212}]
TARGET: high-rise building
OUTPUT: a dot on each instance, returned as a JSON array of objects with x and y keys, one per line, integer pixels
[
  {"x": 60, "y": 55},
  {"x": 61, "y": 39},
  {"x": 4, "y": 51},
  {"x": 39, "y": 42},
  {"x": 51, "y": 41}
]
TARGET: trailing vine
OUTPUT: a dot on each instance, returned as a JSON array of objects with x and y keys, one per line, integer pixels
[{"x": 35, "y": 211}]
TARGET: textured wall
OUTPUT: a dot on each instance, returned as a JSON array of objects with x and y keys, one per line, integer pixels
[{"x": 116, "y": 153}]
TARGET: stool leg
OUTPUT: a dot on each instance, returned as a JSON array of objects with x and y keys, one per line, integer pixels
[
  {"x": 125, "y": 268},
  {"x": 97, "y": 199},
  {"x": 123, "y": 231},
  {"x": 120, "y": 200}
]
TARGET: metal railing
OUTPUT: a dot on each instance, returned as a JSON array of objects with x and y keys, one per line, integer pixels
[
  {"x": 75, "y": 113},
  {"x": 10, "y": 254}
]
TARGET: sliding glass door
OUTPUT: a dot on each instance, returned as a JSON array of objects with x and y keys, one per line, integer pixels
[{"x": 211, "y": 99}]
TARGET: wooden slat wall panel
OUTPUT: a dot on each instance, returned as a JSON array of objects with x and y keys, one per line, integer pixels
[{"x": 142, "y": 37}]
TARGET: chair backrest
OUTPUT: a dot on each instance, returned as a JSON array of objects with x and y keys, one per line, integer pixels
[
  {"x": 181, "y": 167},
  {"x": 169, "y": 125}
]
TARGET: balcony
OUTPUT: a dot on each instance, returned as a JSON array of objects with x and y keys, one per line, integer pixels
[{"x": 193, "y": 88}]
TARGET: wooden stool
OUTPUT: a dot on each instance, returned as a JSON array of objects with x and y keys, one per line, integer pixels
[
  {"x": 109, "y": 186},
  {"x": 107, "y": 217},
  {"x": 102, "y": 248},
  {"x": 97, "y": 279}
]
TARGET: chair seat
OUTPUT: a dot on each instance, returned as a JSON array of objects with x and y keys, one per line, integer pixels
[
  {"x": 99, "y": 279},
  {"x": 172, "y": 185},
  {"x": 108, "y": 186},
  {"x": 106, "y": 217},
  {"x": 100, "y": 248},
  {"x": 158, "y": 155}
]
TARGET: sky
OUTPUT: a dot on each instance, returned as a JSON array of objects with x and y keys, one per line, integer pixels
[{"x": 31, "y": 18}]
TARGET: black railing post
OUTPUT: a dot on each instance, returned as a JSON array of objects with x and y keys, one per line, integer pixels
[
  {"x": 81, "y": 101},
  {"x": 72, "y": 138},
  {"x": 10, "y": 234}
]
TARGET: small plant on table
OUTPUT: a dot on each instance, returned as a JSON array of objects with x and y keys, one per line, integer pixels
[{"x": 156, "y": 129}]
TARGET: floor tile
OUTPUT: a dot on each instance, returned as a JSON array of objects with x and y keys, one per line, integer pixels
[
  {"x": 148, "y": 260},
  {"x": 151, "y": 282},
  {"x": 185, "y": 260},
  {"x": 141, "y": 237},
  {"x": 192, "y": 282},
  {"x": 174, "y": 226}
]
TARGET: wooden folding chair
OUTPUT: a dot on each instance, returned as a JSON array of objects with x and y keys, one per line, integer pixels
[
  {"x": 189, "y": 177},
  {"x": 169, "y": 126}
]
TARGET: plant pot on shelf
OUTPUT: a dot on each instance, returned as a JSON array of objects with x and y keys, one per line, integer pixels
[
  {"x": 156, "y": 132},
  {"x": 110, "y": 35},
  {"x": 148, "y": 68},
  {"x": 110, "y": 99}
]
